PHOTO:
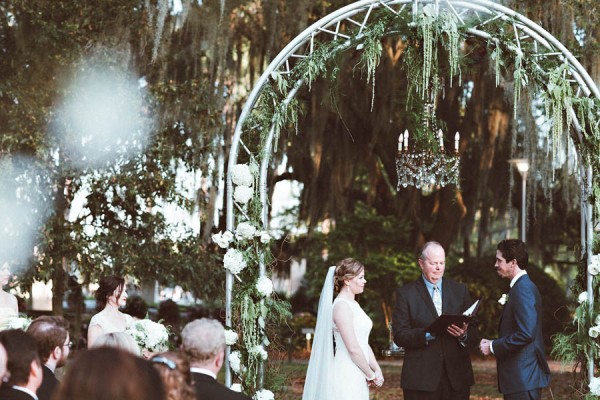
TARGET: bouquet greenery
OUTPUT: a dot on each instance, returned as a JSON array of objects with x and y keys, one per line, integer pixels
[
  {"x": 149, "y": 335},
  {"x": 18, "y": 323}
]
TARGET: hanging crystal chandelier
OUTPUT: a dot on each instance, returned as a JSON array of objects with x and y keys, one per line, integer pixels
[{"x": 427, "y": 163}]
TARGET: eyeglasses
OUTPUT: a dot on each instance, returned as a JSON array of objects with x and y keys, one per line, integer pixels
[
  {"x": 69, "y": 344},
  {"x": 164, "y": 361}
]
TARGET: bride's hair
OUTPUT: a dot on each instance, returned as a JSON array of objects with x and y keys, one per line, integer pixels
[{"x": 348, "y": 268}]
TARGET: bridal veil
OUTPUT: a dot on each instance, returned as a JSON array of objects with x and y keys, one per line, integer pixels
[{"x": 319, "y": 376}]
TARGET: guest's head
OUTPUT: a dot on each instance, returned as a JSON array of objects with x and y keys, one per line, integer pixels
[
  {"x": 136, "y": 307},
  {"x": 168, "y": 311},
  {"x": 3, "y": 360},
  {"x": 118, "y": 340},
  {"x": 432, "y": 261},
  {"x": 51, "y": 335},
  {"x": 108, "y": 373},
  {"x": 203, "y": 342},
  {"x": 346, "y": 273},
  {"x": 111, "y": 290},
  {"x": 23, "y": 362},
  {"x": 174, "y": 369},
  {"x": 511, "y": 258}
]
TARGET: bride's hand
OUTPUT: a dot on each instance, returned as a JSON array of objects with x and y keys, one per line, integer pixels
[{"x": 378, "y": 381}]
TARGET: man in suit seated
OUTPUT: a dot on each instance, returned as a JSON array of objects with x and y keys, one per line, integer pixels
[
  {"x": 51, "y": 334},
  {"x": 24, "y": 366},
  {"x": 203, "y": 341}
]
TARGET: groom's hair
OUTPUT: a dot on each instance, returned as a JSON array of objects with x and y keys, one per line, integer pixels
[
  {"x": 514, "y": 249},
  {"x": 203, "y": 339}
]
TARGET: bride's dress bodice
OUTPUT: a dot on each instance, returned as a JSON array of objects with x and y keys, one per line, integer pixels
[
  {"x": 6, "y": 314},
  {"x": 349, "y": 380},
  {"x": 110, "y": 324}
]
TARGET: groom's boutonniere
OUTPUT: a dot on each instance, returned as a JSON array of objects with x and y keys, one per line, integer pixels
[{"x": 503, "y": 299}]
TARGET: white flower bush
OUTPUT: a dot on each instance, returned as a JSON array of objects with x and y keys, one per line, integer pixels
[
  {"x": 236, "y": 387},
  {"x": 149, "y": 335},
  {"x": 594, "y": 266},
  {"x": 241, "y": 175},
  {"x": 259, "y": 351},
  {"x": 231, "y": 337},
  {"x": 245, "y": 231},
  {"x": 583, "y": 297},
  {"x": 235, "y": 361},
  {"x": 595, "y": 386},
  {"x": 264, "y": 286},
  {"x": 503, "y": 299},
  {"x": 265, "y": 238},
  {"x": 243, "y": 194},
  {"x": 233, "y": 261},
  {"x": 594, "y": 331},
  {"x": 264, "y": 394},
  {"x": 223, "y": 240}
]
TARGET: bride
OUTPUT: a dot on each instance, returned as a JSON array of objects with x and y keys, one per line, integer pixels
[
  {"x": 349, "y": 373},
  {"x": 111, "y": 295},
  {"x": 8, "y": 302}
]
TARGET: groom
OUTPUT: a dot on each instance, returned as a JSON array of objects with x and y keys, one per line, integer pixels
[
  {"x": 522, "y": 367},
  {"x": 435, "y": 367}
]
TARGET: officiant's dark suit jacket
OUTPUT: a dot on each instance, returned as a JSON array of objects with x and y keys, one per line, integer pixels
[
  {"x": 519, "y": 351},
  {"x": 424, "y": 361},
  {"x": 207, "y": 388}
]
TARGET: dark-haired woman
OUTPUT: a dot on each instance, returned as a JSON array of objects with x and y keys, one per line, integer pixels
[{"x": 111, "y": 295}]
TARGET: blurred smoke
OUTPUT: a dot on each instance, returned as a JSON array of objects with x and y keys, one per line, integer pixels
[
  {"x": 103, "y": 119},
  {"x": 23, "y": 209}
]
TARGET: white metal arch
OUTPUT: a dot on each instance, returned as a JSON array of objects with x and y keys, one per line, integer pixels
[{"x": 360, "y": 14}]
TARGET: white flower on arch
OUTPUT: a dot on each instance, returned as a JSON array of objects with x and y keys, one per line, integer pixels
[
  {"x": 223, "y": 240},
  {"x": 264, "y": 394},
  {"x": 234, "y": 262},
  {"x": 245, "y": 230},
  {"x": 243, "y": 194},
  {"x": 235, "y": 361},
  {"x": 241, "y": 175},
  {"x": 264, "y": 286}
]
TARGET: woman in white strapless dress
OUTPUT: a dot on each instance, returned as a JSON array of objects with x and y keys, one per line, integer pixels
[
  {"x": 349, "y": 373},
  {"x": 111, "y": 295},
  {"x": 8, "y": 303}
]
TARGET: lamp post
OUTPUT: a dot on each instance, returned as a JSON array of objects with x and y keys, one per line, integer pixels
[{"x": 523, "y": 167}]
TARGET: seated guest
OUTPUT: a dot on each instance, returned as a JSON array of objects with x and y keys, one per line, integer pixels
[
  {"x": 108, "y": 373},
  {"x": 24, "y": 366},
  {"x": 203, "y": 341},
  {"x": 119, "y": 340},
  {"x": 174, "y": 369},
  {"x": 51, "y": 335}
]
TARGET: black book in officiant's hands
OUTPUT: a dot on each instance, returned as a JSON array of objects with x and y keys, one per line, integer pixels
[{"x": 441, "y": 324}]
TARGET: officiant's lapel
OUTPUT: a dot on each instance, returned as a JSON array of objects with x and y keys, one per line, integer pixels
[{"x": 422, "y": 289}]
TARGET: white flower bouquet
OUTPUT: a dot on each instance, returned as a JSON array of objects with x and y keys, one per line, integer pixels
[
  {"x": 149, "y": 335},
  {"x": 21, "y": 323},
  {"x": 264, "y": 394}
]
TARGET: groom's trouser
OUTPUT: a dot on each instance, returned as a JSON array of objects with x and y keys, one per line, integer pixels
[{"x": 444, "y": 391}]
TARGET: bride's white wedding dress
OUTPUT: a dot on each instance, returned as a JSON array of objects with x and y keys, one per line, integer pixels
[{"x": 349, "y": 381}]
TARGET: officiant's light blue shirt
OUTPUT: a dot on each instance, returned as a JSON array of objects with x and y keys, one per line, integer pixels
[{"x": 429, "y": 286}]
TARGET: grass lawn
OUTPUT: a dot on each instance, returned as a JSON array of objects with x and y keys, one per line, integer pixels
[{"x": 484, "y": 388}]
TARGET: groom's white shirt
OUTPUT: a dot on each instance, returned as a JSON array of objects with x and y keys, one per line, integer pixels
[{"x": 203, "y": 371}]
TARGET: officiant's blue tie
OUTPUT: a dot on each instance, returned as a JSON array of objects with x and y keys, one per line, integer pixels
[{"x": 437, "y": 300}]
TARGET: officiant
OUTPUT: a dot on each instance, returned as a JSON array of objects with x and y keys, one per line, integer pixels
[{"x": 436, "y": 366}]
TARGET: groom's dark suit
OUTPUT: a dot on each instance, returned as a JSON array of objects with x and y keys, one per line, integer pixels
[
  {"x": 519, "y": 351},
  {"x": 207, "y": 388},
  {"x": 424, "y": 362}
]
